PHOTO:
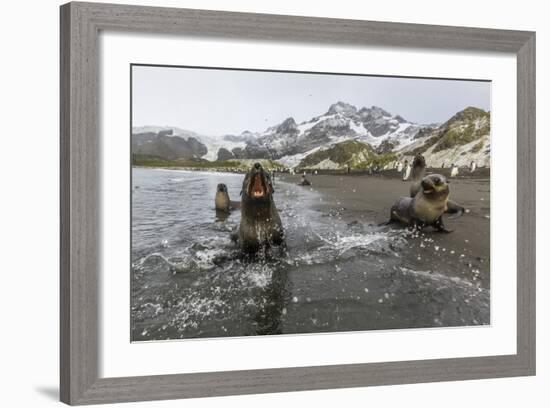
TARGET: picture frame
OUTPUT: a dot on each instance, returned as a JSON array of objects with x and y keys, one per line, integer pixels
[{"x": 80, "y": 233}]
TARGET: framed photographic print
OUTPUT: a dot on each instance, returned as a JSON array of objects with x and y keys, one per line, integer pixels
[{"x": 259, "y": 203}]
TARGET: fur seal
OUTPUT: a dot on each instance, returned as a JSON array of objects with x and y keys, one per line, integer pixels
[
  {"x": 418, "y": 173},
  {"x": 260, "y": 222},
  {"x": 426, "y": 208},
  {"x": 305, "y": 181},
  {"x": 222, "y": 201}
]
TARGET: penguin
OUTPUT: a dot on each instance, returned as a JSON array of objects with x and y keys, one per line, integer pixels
[
  {"x": 454, "y": 170},
  {"x": 407, "y": 171}
]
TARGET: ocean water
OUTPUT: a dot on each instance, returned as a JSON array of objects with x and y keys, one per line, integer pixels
[{"x": 189, "y": 280}]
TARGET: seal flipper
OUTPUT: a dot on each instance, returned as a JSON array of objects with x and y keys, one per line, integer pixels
[
  {"x": 392, "y": 219},
  {"x": 455, "y": 209},
  {"x": 395, "y": 216},
  {"x": 439, "y": 226}
]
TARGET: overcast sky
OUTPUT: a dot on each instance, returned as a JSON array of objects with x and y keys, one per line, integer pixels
[{"x": 217, "y": 102}]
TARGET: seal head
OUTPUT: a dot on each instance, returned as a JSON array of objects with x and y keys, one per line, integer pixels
[
  {"x": 435, "y": 187},
  {"x": 257, "y": 185},
  {"x": 221, "y": 200}
]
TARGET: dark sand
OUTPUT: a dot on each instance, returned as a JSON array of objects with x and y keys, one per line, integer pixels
[
  {"x": 341, "y": 270},
  {"x": 464, "y": 253}
]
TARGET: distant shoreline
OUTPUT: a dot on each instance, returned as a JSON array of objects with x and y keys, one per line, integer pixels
[
  {"x": 209, "y": 169},
  {"x": 479, "y": 174}
]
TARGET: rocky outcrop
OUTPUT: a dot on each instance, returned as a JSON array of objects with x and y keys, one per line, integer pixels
[
  {"x": 350, "y": 153},
  {"x": 167, "y": 147},
  {"x": 386, "y": 146},
  {"x": 224, "y": 154},
  {"x": 463, "y": 139}
]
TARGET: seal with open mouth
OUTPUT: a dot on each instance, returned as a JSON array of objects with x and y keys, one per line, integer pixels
[
  {"x": 260, "y": 222},
  {"x": 426, "y": 208},
  {"x": 222, "y": 201}
]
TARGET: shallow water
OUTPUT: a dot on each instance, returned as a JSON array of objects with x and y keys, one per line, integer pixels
[{"x": 189, "y": 280}]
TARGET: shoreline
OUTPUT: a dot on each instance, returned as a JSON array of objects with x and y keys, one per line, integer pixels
[
  {"x": 479, "y": 174},
  {"x": 464, "y": 253}
]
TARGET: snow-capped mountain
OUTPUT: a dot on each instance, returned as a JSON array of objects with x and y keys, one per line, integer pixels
[
  {"x": 341, "y": 122},
  {"x": 290, "y": 142},
  {"x": 459, "y": 140},
  {"x": 462, "y": 139}
]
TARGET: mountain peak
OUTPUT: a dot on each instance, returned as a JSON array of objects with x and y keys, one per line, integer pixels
[
  {"x": 400, "y": 119},
  {"x": 287, "y": 126},
  {"x": 467, "y": 114},
  {"x": 472, "y": 110},
  {"x": 342, "y": 107},
  {"x": 378, "y": 110}
]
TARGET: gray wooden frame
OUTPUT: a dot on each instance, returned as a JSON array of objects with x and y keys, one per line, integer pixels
[{"x": 80, "y": 190}]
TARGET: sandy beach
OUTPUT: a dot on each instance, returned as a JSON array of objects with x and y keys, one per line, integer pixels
[
  {"x": 464, "y": 253},
  {"x": 340, "y": 270}
]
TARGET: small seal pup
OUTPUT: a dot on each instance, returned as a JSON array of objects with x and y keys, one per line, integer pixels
[
  {"x": 426, "y": 208},
  {"x": 260, "y": 222},
  {"x": 305, "y": 181},
  {"x": 222, "y": 201},
  {"x": 418, "y": 173}
]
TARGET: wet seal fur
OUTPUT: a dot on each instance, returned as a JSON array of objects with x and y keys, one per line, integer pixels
[
  {"x": 260, "y": 225},
  {"x": 222, "y": 201},
  {"x": 418, "y": 173},
  {"x": 427, "y": 207}
]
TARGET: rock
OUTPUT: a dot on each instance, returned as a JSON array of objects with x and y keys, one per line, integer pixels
[{"x": 224, "y": 154}]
